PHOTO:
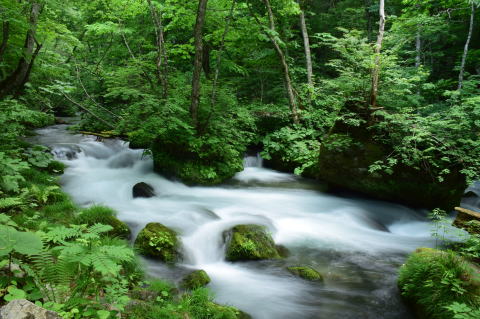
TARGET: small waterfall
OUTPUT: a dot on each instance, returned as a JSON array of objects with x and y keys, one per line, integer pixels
[{"x": 253, "y": 161}]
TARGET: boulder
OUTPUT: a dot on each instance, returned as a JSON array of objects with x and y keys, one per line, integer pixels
[
  {"x": 250, "y": 242},
  {"x": 195, "y": 279},
  {"x": 158, "y": 241},
  {"x": 143, "y": 190},
  {"x": 348, "y": 152},
  {"x": 468, "y": 220},
  {"x": 222, "y": 311},
  {"x": 306, "y": 272},
  {"x": 24, "y": 309}
]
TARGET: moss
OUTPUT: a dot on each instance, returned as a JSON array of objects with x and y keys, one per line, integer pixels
[
  {"x": 104, "y": 215},
  {"x": 306, "y": 272},
  {"x": 158, "y": 241},
  {"x": 250, "y": 242},
  {"x": 195, "y": 279},
  {"x": 227, "y": 312},
  {"x": 347, "y": 153},
  {"x": 432, "y": 279},
  {"x": 216, "y": 164}
]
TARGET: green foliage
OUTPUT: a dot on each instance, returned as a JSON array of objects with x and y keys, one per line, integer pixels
[
  {"x": 436, "y": 279},
  {"x": 296, "y": 148},
  {"x": 103, "y": 215}
]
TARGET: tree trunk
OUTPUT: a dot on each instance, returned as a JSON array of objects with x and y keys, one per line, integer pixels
[
  {"x": 15, "y": 81},
  {"x": 5, "y": 36},
  {"x": 197, "y": 65},
  {"x": 378, "y": 49},
  {"x": 162, "y": 58},
  {"x": 306, "y": 45},
  {"x": 286, "y": 71},
  {"x": 418, "y": 49},
  {"x": 465, "y": 50}
]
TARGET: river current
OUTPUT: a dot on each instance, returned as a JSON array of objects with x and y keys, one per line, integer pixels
[{"x": 357, "y": 244}]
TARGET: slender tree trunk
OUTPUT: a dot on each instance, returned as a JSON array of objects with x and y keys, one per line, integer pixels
[
  {"x": 197, "y": 65},
  {"x": 306, "y": 45},
  {"x": 418, "y": 49},
  {"x": 15, "y": 81},
  {"x": 5, "y": 36},
  {"x": 378, "y": 49},
  {"x": 465, "y": 50},
  {"x": 286, "y": 71},
  {"x": 162, "y": 58}
]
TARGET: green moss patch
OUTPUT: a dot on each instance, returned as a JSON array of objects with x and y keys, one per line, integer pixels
[
  {"x": 306, "y": 272},
  {"x": 158, "y": 241},
  {"x": 195, "y": 279},
  {"x": 250, "y": 242}
]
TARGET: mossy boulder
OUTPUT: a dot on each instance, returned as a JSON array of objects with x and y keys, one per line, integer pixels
[
  {"x": 197, "y": 161},
  {"x": 158, "y": 241},
  {"x": 306, "y": 272},
  {"x": 107, "y": 216},
  {"x": 348, "y": 152},
  {"x": 195, "y": 279},
  {"x": 250, "y": 242},
  {"x": 223, "y": 311}
]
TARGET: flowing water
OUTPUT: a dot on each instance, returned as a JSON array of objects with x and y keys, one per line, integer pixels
[{"x": 357, "y": 244}]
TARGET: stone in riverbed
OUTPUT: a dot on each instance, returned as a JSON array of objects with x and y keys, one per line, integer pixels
[
  {"x": 195, "y": 279},
  {"x": 24, "y": 309},
  {"x": 158, "y": 241},
  {"x": 250, "y": 242},
  {"x": 468, "y": 220},
  {"x": 306, "y": 272},
  {"x": 143, "y": 190}
]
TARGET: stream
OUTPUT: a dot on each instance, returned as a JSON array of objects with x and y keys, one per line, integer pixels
[{"x": 357, "y": 244}]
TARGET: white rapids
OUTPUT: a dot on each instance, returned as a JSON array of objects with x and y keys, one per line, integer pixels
[{"x": 357, "y": 244}]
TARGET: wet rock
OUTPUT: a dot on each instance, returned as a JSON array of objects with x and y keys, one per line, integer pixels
[
  {"x": 143, "y": 190},
  {"x": 222, "y": 311},
  {"x": 24, "y": 309},
  {"x": 282, "y": 251},
  {"x": 195, "y": 279},
  {"x": 306, "y": 272},
  {"x": 158, "y": 241},
  {"x": 468, "y": 220},
  {"x": 250, "y": 242}
]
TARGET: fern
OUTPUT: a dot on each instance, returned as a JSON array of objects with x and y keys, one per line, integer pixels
[{"x": 10, "y": 202}]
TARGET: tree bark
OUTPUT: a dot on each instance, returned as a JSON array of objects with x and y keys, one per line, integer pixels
[
  {"x": 197, "y": 64},
  {"x": 465, "y": 50},
  {"x": 286, "y": 71},
  {"x": 5, "y": 36},
  {"x": 418, "y": 49},
  {"x": 368, "y": 16},
  {"x": 378, "y": 49},
  {"x": 306, "y": 45},
  {"x": 162, "y": 58},
  {"x": 20, "y": 76}
]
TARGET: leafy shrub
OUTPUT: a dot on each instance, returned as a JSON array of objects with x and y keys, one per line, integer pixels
[
  {"x": 103, "y": 215},
  {"x": 434, "y": 279},
  {"x": 295, "y": 148}
]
